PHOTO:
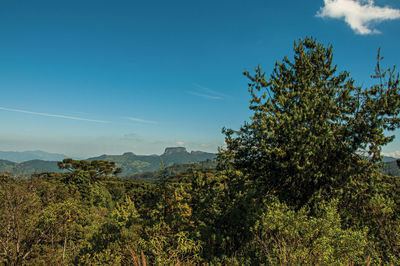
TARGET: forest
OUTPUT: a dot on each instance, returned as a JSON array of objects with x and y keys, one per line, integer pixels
[{"x": 299, "y": 183}]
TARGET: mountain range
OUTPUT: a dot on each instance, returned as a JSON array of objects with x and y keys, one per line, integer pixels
[
  {"x": 18, "y": 157},
  {"x": 391, "y": 168},
  {"x": 129, "y": 162},
  {"x": 133, "y": 166},
  {"x": 387, "y": 159}
]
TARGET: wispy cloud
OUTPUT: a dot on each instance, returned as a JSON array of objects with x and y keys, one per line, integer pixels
[
  {"x": 210, "y": 90},
  {"x": 135, "y": 119},
  {"x": 52, "y": 115},
  {"x": 358, "y": 14},
  {"x": 395, "y": 154},
  {"x": 207, "y": 93}
]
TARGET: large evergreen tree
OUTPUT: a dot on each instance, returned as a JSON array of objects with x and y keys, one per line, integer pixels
[{"x": 312, "y": 128}]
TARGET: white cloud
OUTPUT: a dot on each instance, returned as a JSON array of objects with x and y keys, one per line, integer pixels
[
  {"x": 395, "y": 154},
  {"x": 52, "y": 115},
  {"x": 210, "y": 91},
  {"x": 141, "y": 120},
  {"x": 358, "y": 14},
  {"x": 180, "y": 142},
  {"x": 205, "y": 95}
]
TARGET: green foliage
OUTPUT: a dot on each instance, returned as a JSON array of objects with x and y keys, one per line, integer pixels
[
  {"x": 94, "y": 168},
  {"x": 19, "y": 213},
  {"x": 86, "y": 176},
  {"x": 371, "y": 200},
  {"x": 311, "y": 125},
  {"x": 314, "y": 136},
  {"x": 64, "y": 223},
  {"x": 167, "y": 233},
  {"x": 173, "y": 170},
  {"x": 285, "y": 236}
]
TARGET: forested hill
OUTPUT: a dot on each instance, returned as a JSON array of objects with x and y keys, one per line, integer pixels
[
  {"x": 129, "y": 162},
  {"x": 391, "y": 168},
  {"x": 132, "y": 163},
  {"x": 6, "y": 166},
  {"x": 147, "y": 167},
  {"x": 29, "y": 167}
]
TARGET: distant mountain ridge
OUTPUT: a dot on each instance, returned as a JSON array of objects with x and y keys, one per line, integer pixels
[
  {"x": 136, "y": 165},
  {"x": 18, "y": 157},
  {"x": 391, "y": 168},
  {"x": 129, "y": 162},
  {"x": 132, "y": 163},
  {"x": 28, "y": 168},
  {"x": 387, "y": 159}
]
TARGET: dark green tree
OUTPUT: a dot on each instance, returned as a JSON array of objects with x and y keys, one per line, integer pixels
[
  {"x": 312, "y": 128},
  {"x": 95, "y": 168},
  {"x": 87, "y": 177}
]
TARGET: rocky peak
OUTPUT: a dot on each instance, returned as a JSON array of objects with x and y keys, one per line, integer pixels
[
  {"x": 170, "y": 150},
  {"x": 197, "y": 152}
]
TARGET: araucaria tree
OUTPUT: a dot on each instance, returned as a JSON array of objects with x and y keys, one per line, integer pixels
[{"x": 312, "y": 128}]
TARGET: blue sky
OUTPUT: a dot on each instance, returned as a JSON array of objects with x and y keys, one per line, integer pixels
[{"x": 91, "y": 77}]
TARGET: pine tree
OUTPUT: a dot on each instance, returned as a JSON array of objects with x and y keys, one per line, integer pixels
[{"x": 312, "y": 128}]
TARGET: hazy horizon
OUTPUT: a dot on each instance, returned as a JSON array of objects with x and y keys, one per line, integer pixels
[{"x": 85, "y": 156}]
